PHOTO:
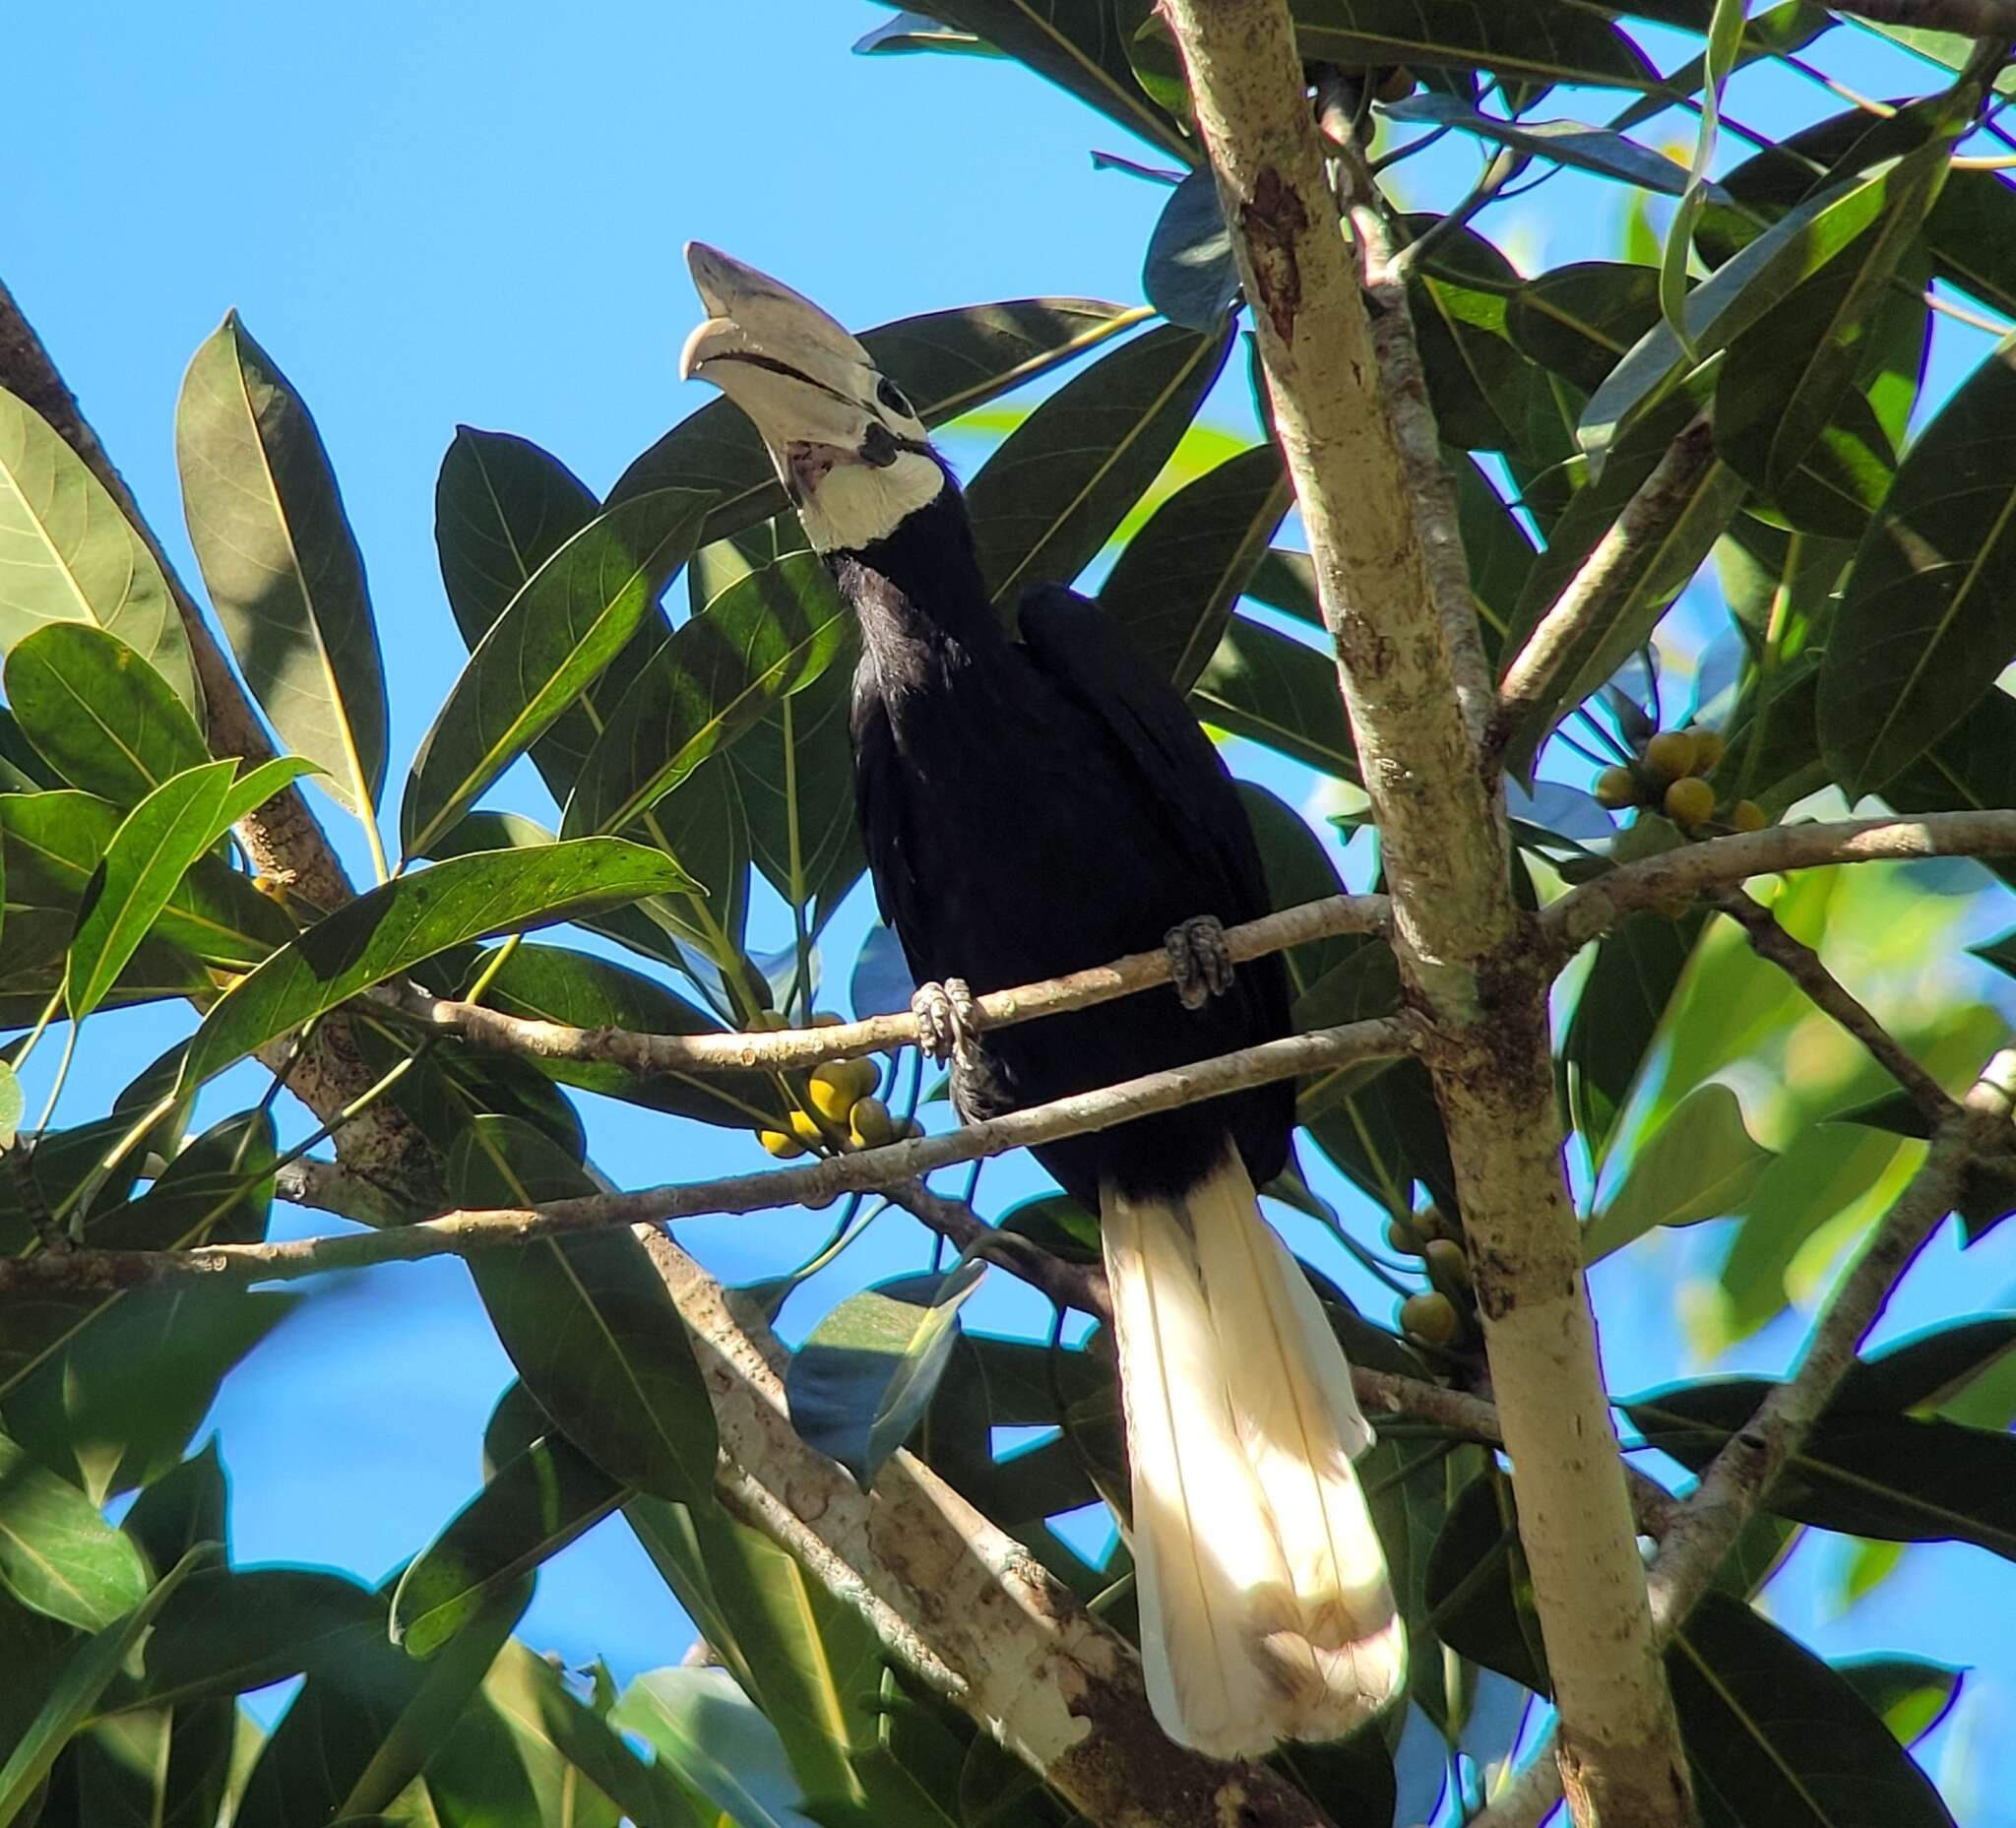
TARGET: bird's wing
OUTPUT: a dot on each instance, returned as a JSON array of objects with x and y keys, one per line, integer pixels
[
  {"x": 878, "y": 806},
  {"x": 1078, "y": 646}
]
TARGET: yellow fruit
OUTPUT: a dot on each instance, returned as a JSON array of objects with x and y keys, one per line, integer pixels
[
  {"x": 1432, "y": 1318},
  {"x": 837, "y": 1083},
  {"x": 782, "y": 1146},
  {"x": 806, "y": 1128},
  {"x": 869, "y": 1124},
  {"x": 1688, "y": 802},
  {"x": 1747, "y": 816},
  {"x": 1709, "y": 749},
  {"x": 1448, "y": 1267},
  {"x": 1617, "y": 788},
  {"x": 1671, "y": 754}
]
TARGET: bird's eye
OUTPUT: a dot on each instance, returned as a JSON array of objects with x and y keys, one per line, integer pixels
[{"x": 891, "y": 396}]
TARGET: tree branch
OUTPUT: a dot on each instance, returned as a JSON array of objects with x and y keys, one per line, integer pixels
[
  {"x": 783, "y": 1049},
  {"x": 1694, "y": 869},
  {"x": 1606, "y": 574},
  {"x": 1802, "y": 965},
  {"x": 865, "y": 1170}
]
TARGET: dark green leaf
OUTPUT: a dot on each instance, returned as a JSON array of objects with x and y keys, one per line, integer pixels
[
  {"x": 549, "y": 645},
  {"x": 1048, "y": 500},
  {"x": 1478, "y": 1587},
  {"x": 72, "y": 557},
  {"x": 99, "y": 714},
  {"x": 283, "y": 566},
  {"x": 946, "y": 362},
  {"x": 529, "y": 1510},
  {"x": 91, "y": 1665},
  {"x": 57, "y": 1555},
  {"x": 1928, "y": 1369},
  {"x": 1517, "y": 39},
  {"x": 767, "y": 635},
  {"x": 550, "y": 984},
  {"x": 502, "y": 508},
  {"x": 587, "y": 1323},
  {"x": 1923, "y": 631},
  {"x": 395, "y": 927},
  {"x": 1176, "y": 585},
  {"x": 1909, "y": 1694},
  {"x": 862, "y": 1381},
  {"x": 49, "y": 1179},
  {"x": 1296, "y": 869},
  {"x": 1598, "y": 150},
  {"x": 187, "y": 1505},
  {"x": 1580, "y": 319},
  {"x": 150, "y": 1769},
  {"x": 1479, "y": 384},
  {"x": 230, "y": 1630},
  {"x": 1273, "y": 689},
  {"x": 1618, "y": 1013},
  {"x": 1777, "y": 1738},
  {"x": 1190, "y": 277}
]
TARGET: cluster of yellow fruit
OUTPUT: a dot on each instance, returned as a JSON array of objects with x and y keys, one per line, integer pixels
[
  {"x": 1670, "y": 775},
  {"x": 843, "y": 1100},
  {"x": 1445, "y": 1314}
]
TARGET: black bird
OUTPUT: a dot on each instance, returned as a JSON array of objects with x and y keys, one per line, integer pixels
[{"x": 1034, "y": 802}]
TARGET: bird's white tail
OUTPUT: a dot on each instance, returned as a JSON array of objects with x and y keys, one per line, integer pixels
[{"x": 1265, "y": 1609}]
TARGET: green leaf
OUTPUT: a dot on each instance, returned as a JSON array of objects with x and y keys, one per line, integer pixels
[
  {"x": 1296, "y": 869},
  {"x": 1176, "y": 585},
  {"x": 1481, "y": 386},
  {"x": 946, "y": 362},
  {"x": 1777, "y": 1738},
  {"x": 230, "y": 1631},
  {"x": 1527, "y": 38},
  {"x": 702, "y": 1727},
  {"x": 1617, "y": 1014},
  {"x": 99, "y": 714},
  {"x": 529, "y": 1510},
  {"x": 1478, "y": 1587},
  {"x": 1700, "y": 1164},
  {"x": 277, "y": 551},
  {"x": 396, "y": 927},
  {"x": 549, "y": 983},
  {"x": 1579, "y": 320},
  {"x": 550, "y": 643},
  {"x": 55, "y": 841},
  {"x": 502, "y": 508},
  {"x": 84, "y": 1677},
  {"x": 1598, "y": 150},
  {"x": 1190, "y": 277},
  {"x": 1922, "y": 632},
  {"x": 61, "y": 1163},
  {"x": 587, "y": 1323},
  {"x": 765, "y": 635},
  {"x": 57, "y": 1555},
  {"x": 530, "y": 1695},
  {"x": 368, "y": 1720},
  {"x": 188, "y": 1504},
  {"x": 1273, "y": 689},
  {"x": 1896, "y": 1478},
  {"x": 149, "y": 853},
  {"x": 1910, "y": 1694},
  {"x": 862, "y": 1381},
  {"x": 150, "y": 1769},
  {"x": 1047, "y": 501},
  {"x": 1948, "y": 49},
  {"x": 912, "y": 31},
  {"x": 11, "y": 1105},
  {"x": 68, "y": 554}
]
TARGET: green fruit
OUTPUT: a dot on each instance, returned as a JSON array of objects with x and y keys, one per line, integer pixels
[
  {"x": 1448, "y": 1267},
  {"x": 869, "y": 1124},
  {"x": 1709, "y": 749},
  {"x": 1689, "y": 801},
  {"x": 1671, "y": 754},
  {"x": 1432, "y": 1318},
  {"x": 1401, "y": 1237},
  {"x": 1617, "y": 788}
]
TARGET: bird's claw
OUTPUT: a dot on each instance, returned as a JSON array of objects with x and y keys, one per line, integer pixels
[
  {"x": 947, "y": 1021},
  {"x": 1200, "y": 960}
]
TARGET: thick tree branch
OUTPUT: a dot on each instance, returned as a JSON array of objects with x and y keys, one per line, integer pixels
[
  {"x": 457, "y": 1233},
  {"x": 1466, "y": 952},
  {"x": 964, "y": 1604},
  {"x": 1802, "y": 965},
  {"x": 1606, "y": 573},
  {"x": 786, "y": 1048},
  {"x": 1696, "y": 869}
]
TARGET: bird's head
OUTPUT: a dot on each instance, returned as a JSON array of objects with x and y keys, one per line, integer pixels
[{"x": 848, "y": 448}]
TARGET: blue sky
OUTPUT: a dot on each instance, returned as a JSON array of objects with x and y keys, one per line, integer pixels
[{"x": 470, "y": 213}]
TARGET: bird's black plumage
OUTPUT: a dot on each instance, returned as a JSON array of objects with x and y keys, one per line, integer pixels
[{"x": 1032, "y": 806}]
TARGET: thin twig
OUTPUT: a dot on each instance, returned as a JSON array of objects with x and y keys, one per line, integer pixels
[{"x": 1804, "y": 966}]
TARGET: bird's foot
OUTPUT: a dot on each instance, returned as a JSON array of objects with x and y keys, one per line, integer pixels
[
  {"x": 948, "y": 1024},
  {"x": 1200, "y": 960}
]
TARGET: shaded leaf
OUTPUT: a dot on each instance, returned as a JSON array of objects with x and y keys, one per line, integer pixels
[
  {"x": 587, "y": 1322},
  {"x": 547, "y": 646},
  {"x": 1700, "y": 1164},
  {"x": 1190, "y": 277},
  {"x": 68, "y": 554},
  {"x": 864, "y": 1376},
  {"x": 1176, "y": 585},
  {"x": 1479, "y": 1589},
  {"x": 99, "y": 714},
  {"x": 230, "y": 1631},
  {"x": 1520, "y": 39},
  {"x": 1910, "y": 1694},
  {"x": 1479, "y": 384},
  {"x": 1580, "y": 319},
  {"x": 1273, "y": 689},
  {"x": 284, "y": 574},
  {"x": 528, "y": 1691},
  {"x": 705, "y": 1729},
  {"x": 1051, "y": 496},
  {"x": 1617, "y": 1014},
  {"x": 398, "y": 925},
  {"x": 185, "y": 1506},
  {"x": 1601, "y": 150},
  {"x": 502, "y": 508}
]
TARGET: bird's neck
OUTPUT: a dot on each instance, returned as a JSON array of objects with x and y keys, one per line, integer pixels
[{"x": 926, "y": 619}]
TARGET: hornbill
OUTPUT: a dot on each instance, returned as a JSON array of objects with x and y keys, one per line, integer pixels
[{"x": 1038, "y": 800}]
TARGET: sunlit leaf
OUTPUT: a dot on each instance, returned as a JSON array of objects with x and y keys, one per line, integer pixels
[
  {"x": 705, "y": 1729},
  {"x": 1911, "y": 1694},
  {"x": 1700, "y": 1164},
  {"x": 57, "y": 1555}
]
